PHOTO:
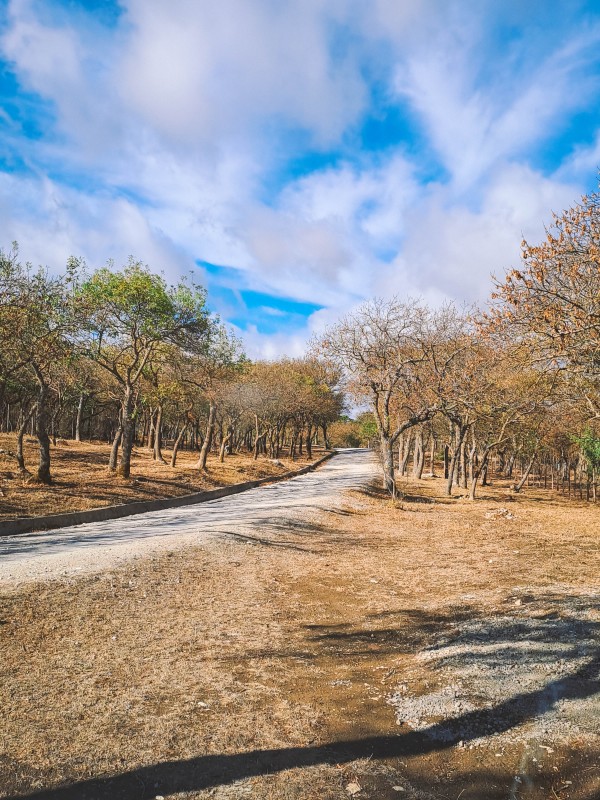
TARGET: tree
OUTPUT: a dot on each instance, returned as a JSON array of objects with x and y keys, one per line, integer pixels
[
  {"x": 206, "y": 365},
  {"x": 127, "y": 316},
  {"x": 36, "y": 327},
  {"x": 553, "y": 300},
  {"x": 381, "y": 350}
]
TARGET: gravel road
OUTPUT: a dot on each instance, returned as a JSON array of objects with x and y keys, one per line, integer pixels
[{"x": 100, "y": 545}]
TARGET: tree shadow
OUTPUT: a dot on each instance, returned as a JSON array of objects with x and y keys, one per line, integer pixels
[
  {"x": 246, "y": 538},
  {"x": 204, "y": 772},
  {"x": 552, "y": 630}
]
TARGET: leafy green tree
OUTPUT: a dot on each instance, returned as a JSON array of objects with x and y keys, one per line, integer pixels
[
  {"x": 367, "y": 428},
  {"x": 590, "y": 447},
  {"x": 128, "y": 316}
]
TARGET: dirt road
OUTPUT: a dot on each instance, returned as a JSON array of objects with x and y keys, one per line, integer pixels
[{"x": 99, "y": 545}]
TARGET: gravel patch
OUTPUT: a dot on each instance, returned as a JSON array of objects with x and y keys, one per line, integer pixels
[{"x": 527, "y": 675}]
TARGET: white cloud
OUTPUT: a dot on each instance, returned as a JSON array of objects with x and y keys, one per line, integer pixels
[
  {"x": 583, "y": 161},
  {"x": 477, "y": 117},
  {"x": 52, "y": 222},
  {"x": 198, "y": 71},
  {"x": 452, "y": 250},
  {"x": 70, "y": 67},
  {"x": 172, "y": 126},
  {"x": 271, "y": 346}
]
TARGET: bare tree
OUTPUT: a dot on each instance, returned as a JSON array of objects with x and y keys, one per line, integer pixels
[{"x": 382, "y": 350}]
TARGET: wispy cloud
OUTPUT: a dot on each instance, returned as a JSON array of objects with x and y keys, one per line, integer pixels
[{"x": 323, "y": 150}]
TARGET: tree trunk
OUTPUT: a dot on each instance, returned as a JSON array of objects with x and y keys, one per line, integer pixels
[
  {"x": 21, "y": 433},
  {"x": 419, "y": 466},
  {"x": 128, "y": 428},
  {"x": 257, "y": 437},
  {"x": 387, "y": 462},
  {"x": 150, "y": 432},
  {"x": 417, "y": 450},
  {"x": 309, "y": 433},
  {"x": 79, "y": 417},
  {"x": 158, "y": 456},
  {"x": 484, "y": 474},
  {"x": 225, "y": 441},
  {"x": 455, "y": 458},
  {"x": 517, "y": 487},
  {"x": 177, "y": 444},
  {"x": 432, "y": 456},
  {"x": 407, "y": 441},
  {"x": 278, "y": 441},
  {"x": 476, "y": 474},
  {"x": 41, "y": 431},
  {"x": 508, "y": 469},
  {"x": 472, "y": 460},
  {"x": 206, "y": 444},
  {"x": 463, "y": 465},
  {"x": 114, "y": 450}
]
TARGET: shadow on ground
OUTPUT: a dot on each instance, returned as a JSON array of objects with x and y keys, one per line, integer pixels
[
  {"x": 208, "y": 771},
  {"x": 555, "y": 635}
]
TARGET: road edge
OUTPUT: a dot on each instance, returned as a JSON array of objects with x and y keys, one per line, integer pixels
[{"x": 21, "y": 525}]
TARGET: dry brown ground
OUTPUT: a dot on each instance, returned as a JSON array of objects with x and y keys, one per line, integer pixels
[
  {"x": 246, "y": 670},
  {"x": 81, "y": 479}
]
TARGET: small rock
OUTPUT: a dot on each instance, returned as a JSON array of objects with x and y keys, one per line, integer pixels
[
  {"x": 353, "y": 788},
  {"x": 398, "y": 788}
]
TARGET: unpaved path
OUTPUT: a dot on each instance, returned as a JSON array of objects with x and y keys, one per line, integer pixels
[{"x": 100, "y": 545}]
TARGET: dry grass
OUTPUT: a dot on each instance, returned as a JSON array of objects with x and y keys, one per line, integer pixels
[
  {"x": 173, "y": 671},
  {"x": 81, "y": 479}
]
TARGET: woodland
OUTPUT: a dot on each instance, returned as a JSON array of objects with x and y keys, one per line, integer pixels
[{"x": 120, "y": 356}]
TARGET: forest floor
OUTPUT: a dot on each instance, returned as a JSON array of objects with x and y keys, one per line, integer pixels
[
  {"x": 82, "y": 481},
  {"x": 432, "y": 648}
]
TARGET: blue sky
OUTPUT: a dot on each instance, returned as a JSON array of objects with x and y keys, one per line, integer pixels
[{"x": 299, "y": 156}]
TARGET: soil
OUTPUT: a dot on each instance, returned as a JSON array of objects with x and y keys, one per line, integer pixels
[
  {"x": 81, "y": 479},
  {"x": 425, "y": 649}
]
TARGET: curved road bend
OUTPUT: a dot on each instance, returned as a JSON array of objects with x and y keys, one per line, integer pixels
[{"x": 98, "y": 545}]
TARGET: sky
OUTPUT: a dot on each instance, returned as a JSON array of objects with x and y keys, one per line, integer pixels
[{"x": 296, "y": 156}]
